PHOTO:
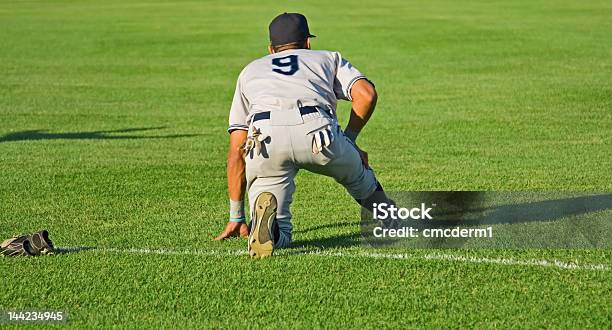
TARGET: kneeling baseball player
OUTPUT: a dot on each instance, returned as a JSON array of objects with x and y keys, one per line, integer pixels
[{"x": 282, "y": 120}]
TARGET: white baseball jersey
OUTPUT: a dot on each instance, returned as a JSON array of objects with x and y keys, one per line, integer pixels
[{"x": 278, "y": 81}]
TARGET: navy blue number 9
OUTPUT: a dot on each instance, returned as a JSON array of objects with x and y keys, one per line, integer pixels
[{"x": 287, "y": 65}]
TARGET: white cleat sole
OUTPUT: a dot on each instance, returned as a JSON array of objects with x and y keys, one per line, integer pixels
[{"x": 261, "y": 239}]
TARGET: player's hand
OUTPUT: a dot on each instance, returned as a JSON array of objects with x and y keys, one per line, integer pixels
[{"x": 234, "y": 229}]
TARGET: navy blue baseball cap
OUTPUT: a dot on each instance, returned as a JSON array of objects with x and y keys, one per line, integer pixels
[{"x": 287, "y": 28}]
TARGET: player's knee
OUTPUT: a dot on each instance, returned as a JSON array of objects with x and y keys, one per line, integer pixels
[
  {"x": 282, "y": 239},
  {"x": 282, "y": 232}
]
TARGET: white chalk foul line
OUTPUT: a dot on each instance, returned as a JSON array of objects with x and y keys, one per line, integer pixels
[
  {"x": 373, "y": 255},
  {"x": 468, "y": 259}
]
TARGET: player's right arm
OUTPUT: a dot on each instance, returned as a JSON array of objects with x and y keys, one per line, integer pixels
[
  {"x": 352, "y": 85},
  {"x": 364, "y": 99}
]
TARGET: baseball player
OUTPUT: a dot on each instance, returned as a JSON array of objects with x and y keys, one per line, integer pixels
[{"x": 283, "y": 119}]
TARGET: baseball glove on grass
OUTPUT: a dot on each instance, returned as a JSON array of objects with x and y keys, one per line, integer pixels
[
  {"x": 28, "y": 245},
  {"x": 41, "y": 243},
  {"x": 17, "y": 246}
]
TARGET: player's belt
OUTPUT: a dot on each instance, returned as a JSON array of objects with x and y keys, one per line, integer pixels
[{"x": 303, "y": 111}]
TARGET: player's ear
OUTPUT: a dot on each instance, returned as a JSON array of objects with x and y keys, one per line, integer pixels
[
  {"x": 270, "y": 49},
  {"x": 307, "y": 43}
]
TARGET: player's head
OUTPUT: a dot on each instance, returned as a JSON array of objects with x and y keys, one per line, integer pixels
[{"x": 289, "y": 31}]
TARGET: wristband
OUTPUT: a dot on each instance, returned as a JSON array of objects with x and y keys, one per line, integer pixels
[
  {"x": 237, "y": 211},
  {"x": 352, "y": 135}
]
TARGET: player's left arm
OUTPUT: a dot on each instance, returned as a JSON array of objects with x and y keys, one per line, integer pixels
[
  {"x": 236, "y": 186},
  {"x": 236, "y": 175}
]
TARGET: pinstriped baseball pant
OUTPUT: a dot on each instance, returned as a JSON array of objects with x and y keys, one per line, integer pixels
[{"x": 287, "y": 149}]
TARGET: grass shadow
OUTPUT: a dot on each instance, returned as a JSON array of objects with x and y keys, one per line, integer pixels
[
  {"x": 326, "y": 226},
  {"x": 568, "y": 215},
  {"x": 74, "y": 249},
  {"x": 336, "y": 241},
  {"x": 34, "y": 135},
  {"x": 539, "y": 211}
]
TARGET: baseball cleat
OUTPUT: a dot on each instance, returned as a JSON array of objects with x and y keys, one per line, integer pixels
[{"x": 261, "y": 238}]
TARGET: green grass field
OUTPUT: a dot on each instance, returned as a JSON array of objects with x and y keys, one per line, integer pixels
[{"x": 113, "y": 120}]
